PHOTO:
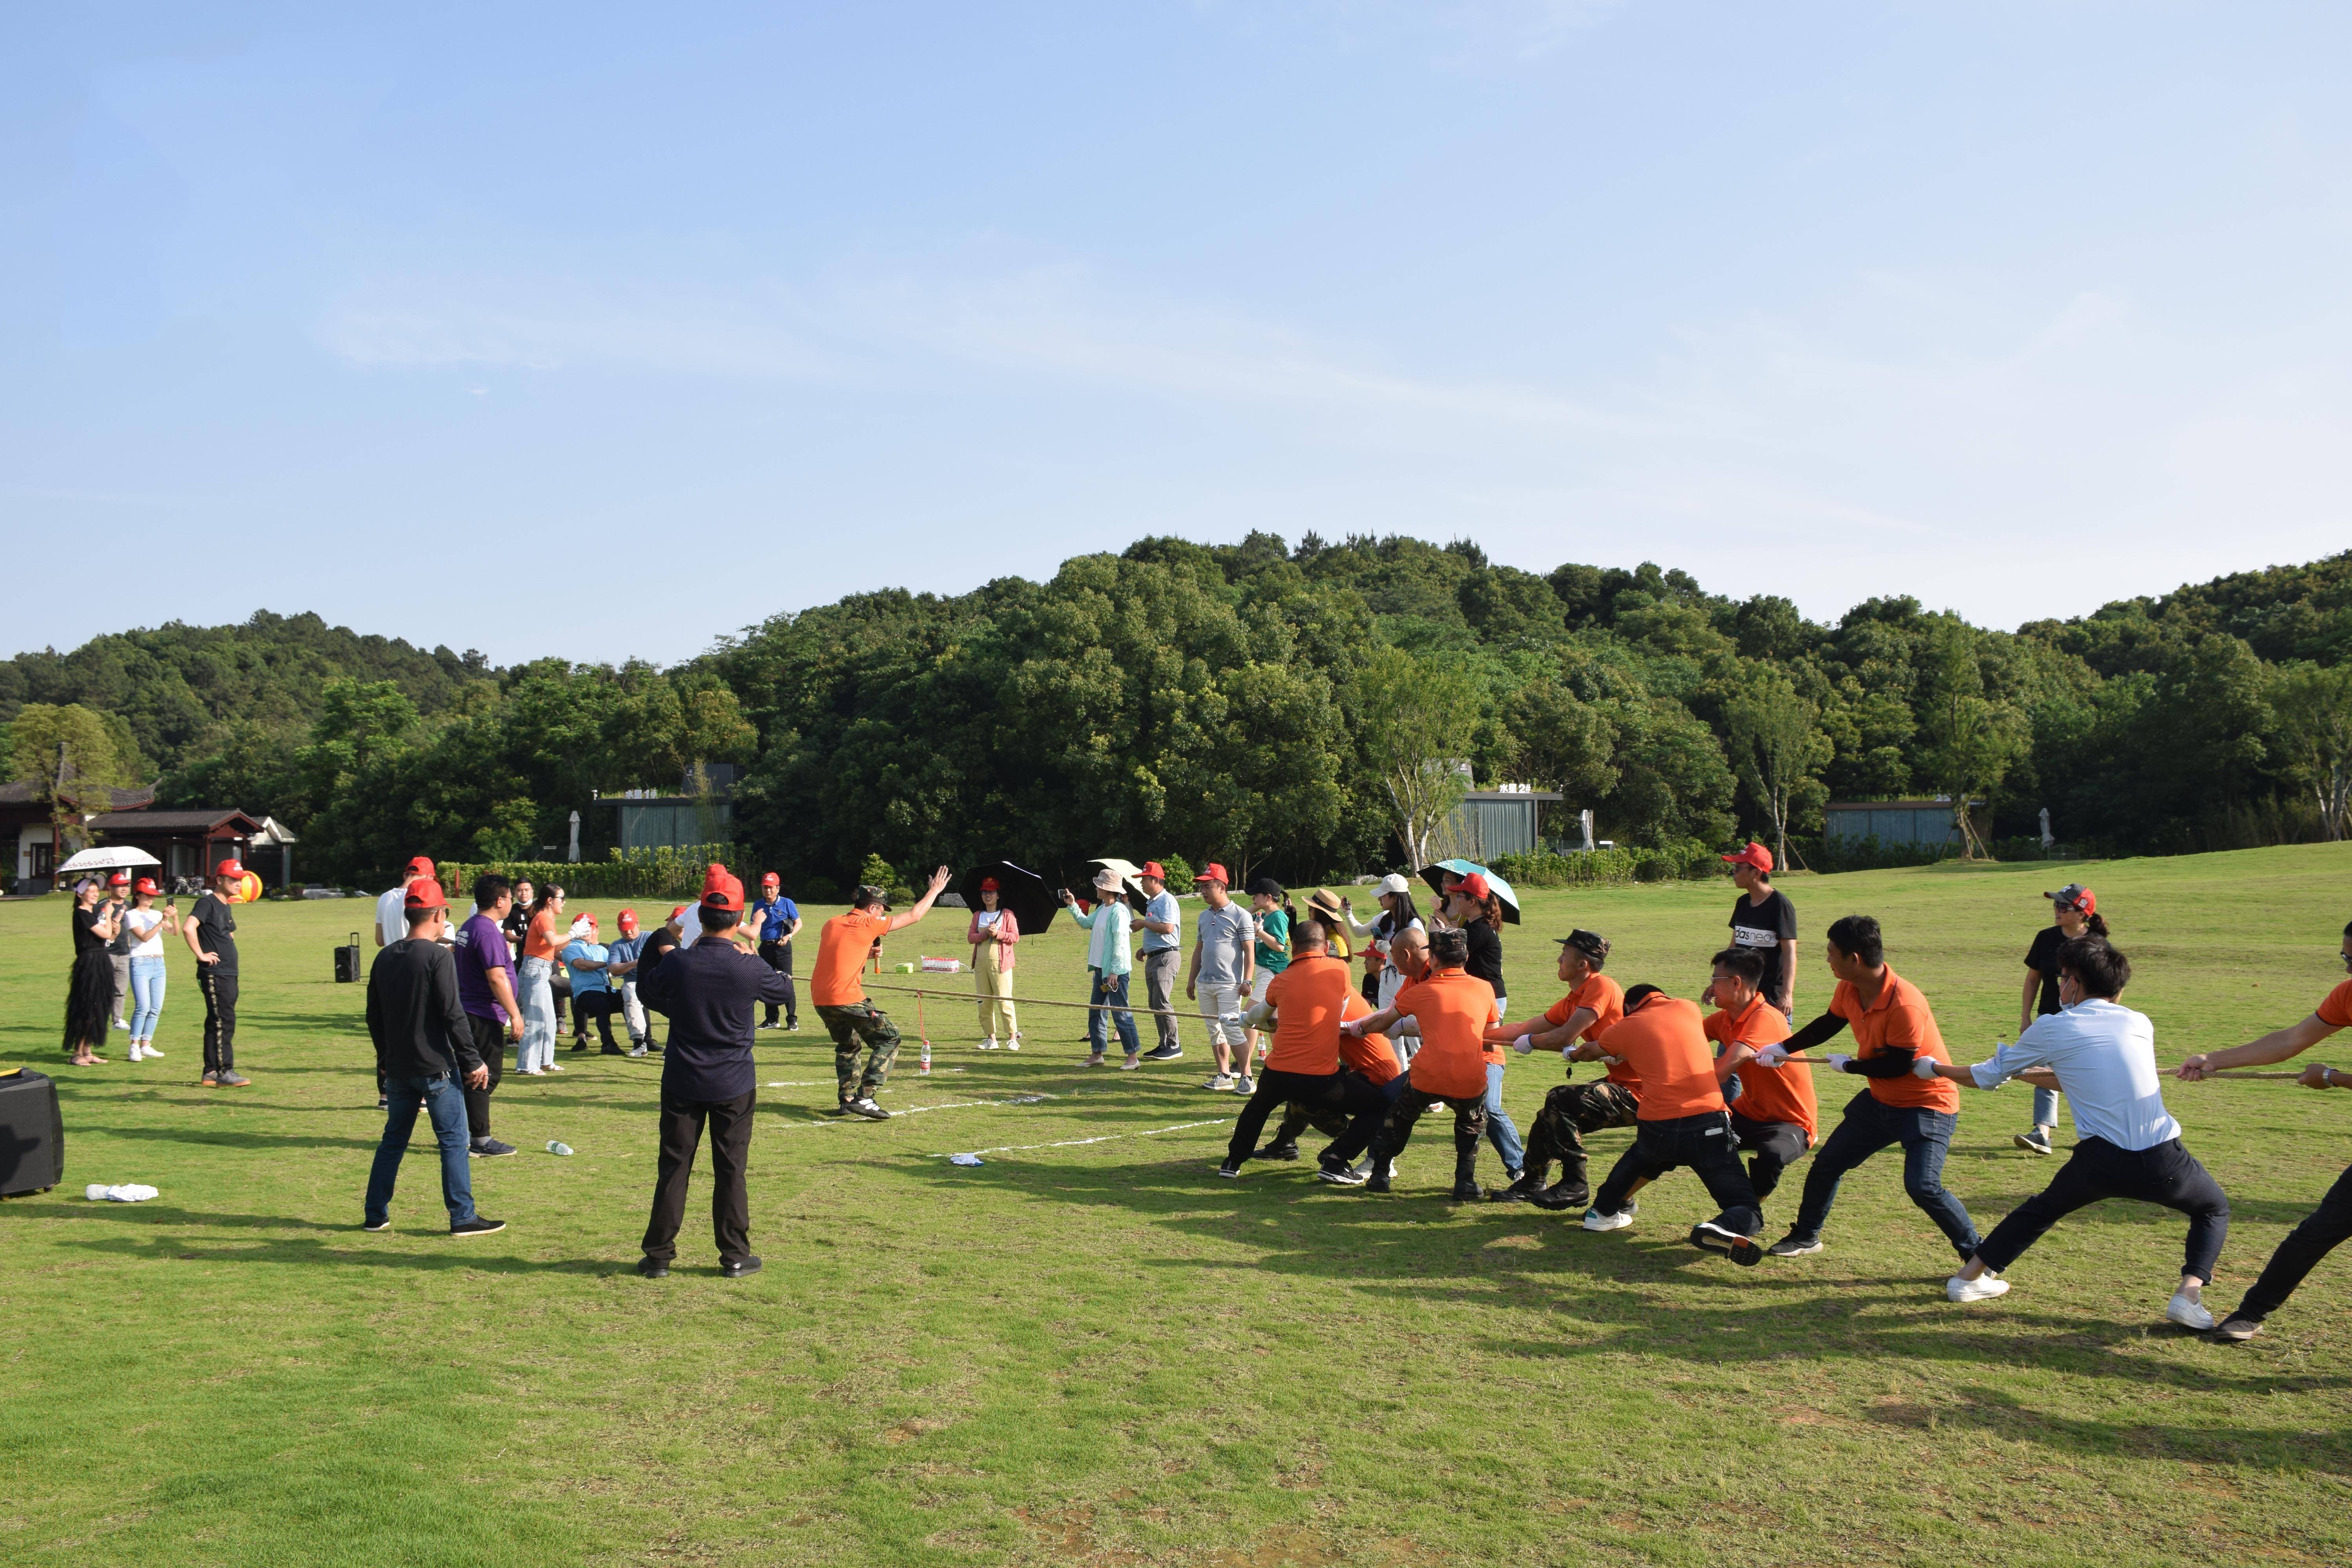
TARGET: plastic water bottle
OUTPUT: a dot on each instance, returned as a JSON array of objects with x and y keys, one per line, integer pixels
[
  {"x": 555, "y": 1148},
  {"x": 927, "y": 1055}
]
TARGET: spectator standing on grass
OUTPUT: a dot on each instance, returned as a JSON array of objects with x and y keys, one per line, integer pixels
[
  {"x": 1163, "y": 940},
  {"x": 486, "y": 990},
  {"x": 118, "y": 952},
  {"x": 1270, "y": 910},
  {"x": 838, "y": 989},
  {"x": 391, "y": 904},
  {"x": 541, "y": 947},
  {"x": 2327, "y": 1227},
  {"x": 1476, "y": 912},
  {"x": 147, "y": 924},
  {"x": 210, "y": 931},
  {"x": 622, "y": 966},
  {"x": 90, "y": 989},
  {"x": 2105, "y": 1055},
  {"x": 517, "y": 925},
  {"x": 1762, "y": 918},
  {"x": 2075, "y": 911},
  {"x": 425, "y": 1046},
  {"x": 1224, "y": 938},
  {"x": 992, "y": 935},
  {"x": 1592, "y": 1005},
  {"x": 777, "y": 920},
  {"x": 591, "y": 989},
  {"x": 1109, "y": 968},
  {"x": 711, "y": 994}
]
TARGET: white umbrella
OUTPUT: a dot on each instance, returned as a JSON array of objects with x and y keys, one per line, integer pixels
[
  {"x": 1126, "y": 871},
  {"x": 116, "y": 858}
]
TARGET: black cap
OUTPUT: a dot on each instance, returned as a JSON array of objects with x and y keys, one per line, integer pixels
[
  {"x": 1591, "y": 943},
  {"x": 1267, "y": 887}
]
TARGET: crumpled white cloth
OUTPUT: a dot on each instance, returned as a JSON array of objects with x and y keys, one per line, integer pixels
[{"x": 122, "y": 1193}]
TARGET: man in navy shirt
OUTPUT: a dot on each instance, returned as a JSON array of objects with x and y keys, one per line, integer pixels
[
  {"x": 777, "y": 920},
  {"x": 709, "y": 991}
]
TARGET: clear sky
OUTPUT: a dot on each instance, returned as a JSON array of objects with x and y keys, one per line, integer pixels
[{"x": 601, "y": 331}]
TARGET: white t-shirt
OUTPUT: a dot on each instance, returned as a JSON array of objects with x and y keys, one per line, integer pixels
[
  {"x": 391, "y": 915},
  {"x": 146, "y": 929}
]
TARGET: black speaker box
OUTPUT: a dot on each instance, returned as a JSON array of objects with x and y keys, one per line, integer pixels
[{"x": 32, "y": 1133}]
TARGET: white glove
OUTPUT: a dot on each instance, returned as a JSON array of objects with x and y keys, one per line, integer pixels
[
  {"x": 1772, "y": 1056},
  {"x": 1837, "y": 1061},
  {"x": 1354, "y": 1029},
  {"x": 1924, "y": 1066},
  {"x": 1612, "y": 1061},
  {"x": 1524, "y": 1044}
]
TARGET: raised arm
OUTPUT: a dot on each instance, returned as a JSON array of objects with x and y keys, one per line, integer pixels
[{"x": 923, "y": 905}]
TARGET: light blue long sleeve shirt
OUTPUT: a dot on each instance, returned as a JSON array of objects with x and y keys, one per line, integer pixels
[
  {"x": 2105, "y": 1057},
  {"x": 1107, "y": 948}
]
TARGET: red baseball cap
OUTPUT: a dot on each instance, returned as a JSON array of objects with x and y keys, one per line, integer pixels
[
  {"x": 679, "y": 910},
  {"x": 627, "y": 920},
  {"x": 229, "y": 867},
  {"x": 1755, "y": 855},
  {"x": 2074, "y": 896},
  {"x": 147, "y": 885},
  {"x": 420, "y": 867},
  {"x": 1474, "y": 884},
  {"x": 771, "y": 881},
  {"x": 721, "y": 891},
  {"x": 426, "y": 894},
  {"x": 119, "y": 879},
  {"x": 987, "y": 885},
  {"x": 1154, "y": 868},
  {"x": 1213, "y": 872}
]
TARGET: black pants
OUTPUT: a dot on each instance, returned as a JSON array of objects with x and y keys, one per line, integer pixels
[
  {"x": 2321, "y": 1232},
  {"x": 1293, "y": 1089},
  {"x": 219, "y": 986},
  {"x": 600, "y": 1005},
  {"x": 1703, "y": 1142},
  {"x": 1469, "y": 1126},
  {"x": 730, "y": 1202},
  {"x": 491, "y": 1044},
  {"x": 1777, "y": 1145},
  {"x": 2167, "y": 1175},
  {"x": 778, "y": 955},
  {"x": 1359, "y": 1098}
]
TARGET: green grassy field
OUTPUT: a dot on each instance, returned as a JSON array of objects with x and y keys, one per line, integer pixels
[{"x": 1101, "y": 1353}]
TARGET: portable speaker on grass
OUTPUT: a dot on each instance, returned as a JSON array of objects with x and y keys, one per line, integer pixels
[
  {"x": 32, "y": 1133},
  {"x": 347, "y": 961}
]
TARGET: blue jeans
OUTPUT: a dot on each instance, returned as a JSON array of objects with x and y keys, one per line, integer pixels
[
  {"x": 1110, "y": 991},
  {"x": 2045, "y": 1107},
  {"x": 1869, "y": 1126},
  {"x": 147, "y": 977},
  {"x": 443, "y": 1100},
  {"x": 1500, "y": 1131}
]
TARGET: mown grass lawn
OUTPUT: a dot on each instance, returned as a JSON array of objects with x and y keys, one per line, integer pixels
[{"x": 1099, "y": 1352}]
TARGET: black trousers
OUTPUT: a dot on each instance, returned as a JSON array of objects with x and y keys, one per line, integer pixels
[
  {"x": 2166, "y": 1174},
  {"x": 491, "y": 1044},
  {"x": 600, "y": 1005},
  {"x": 1777, "y": 1145},
  {"x": 2322, "y": 1231},
  {"x": 682, "y": 1121},
  {"x": 1292, "y": 1088},
  {"x": 1360, "y": 1099},
  {"x": 1703, "y": 1142},
  {"x": 1396, "y": 1129},
  {"x": 219, "y": 987},
  {"x": 778, "y": 955}
]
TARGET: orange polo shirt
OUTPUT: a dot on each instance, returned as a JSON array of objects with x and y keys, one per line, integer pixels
[
  {"x": 1899, "y": 1018},
  {"x": 1309, "y": 999},
  {"x": 1453, "y": 1009},
  {"x": 1767, "y": 1094},
  {"x": 1371, "y": 1055},
  {"x": 838, "y": 978},
  {"x": 2336, "y": 1008},
  {"x": 1663, "y": 1040},
  {"x": 1607, "y": 1000}
]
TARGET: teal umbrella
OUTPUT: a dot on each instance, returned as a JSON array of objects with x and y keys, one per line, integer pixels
[{"x": 1436, "y": 876}]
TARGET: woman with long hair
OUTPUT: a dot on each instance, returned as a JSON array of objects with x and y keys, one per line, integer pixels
[
  {"x": 543, "y": 938},
  {"x": 89, "y": 990},
  {"x": 2075, "y": 911},
  {"x": 147, "y": 924}
]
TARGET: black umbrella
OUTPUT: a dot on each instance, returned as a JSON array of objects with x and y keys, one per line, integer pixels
[{"x": 1018, "y": 889}]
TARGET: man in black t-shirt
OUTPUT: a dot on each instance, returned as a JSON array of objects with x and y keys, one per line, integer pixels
[
  {"x": 210, "y": 931},
  {"x": 1764, "y": 920}
]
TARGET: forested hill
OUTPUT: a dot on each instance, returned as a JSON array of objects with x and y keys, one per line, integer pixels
[{"x": 1235, "y": 701}]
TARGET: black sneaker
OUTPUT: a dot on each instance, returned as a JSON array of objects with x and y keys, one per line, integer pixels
[
  {"x": 2034, "y": 1142},
  {"x": 490, "y": 1149},
  {"x": 612, "y": 1051},
  {"x": 1341, "y": 1175},
  {"x": 1561, "y": 1196},
  {"x": 385, "y": 1224},
  {"x": 2237, "y": 1331},
  {"x": 793, "y": 1027},
  {"x": 740, "y": 1268},
  {"x": 654, "y": 1267},
  {"x": 477, "y": 1225},
  {"x": 1795, "y": 1246},
  {"x": 578, "y": 1045},
  {"x": 1469, "y": 1192},
  {"x": 1275, "y": 1151},
  {"x": 1523, "y": 1191},
  {"x": 655, "y": 1048},
  {"x": 1164, "y": 1054},
  {"x": 1230, "y": 1171},
  {"x": 1709, "y": 1237},
  {"x": 863, "y": 1106},
  {"x": 1378, "y": 1181}
]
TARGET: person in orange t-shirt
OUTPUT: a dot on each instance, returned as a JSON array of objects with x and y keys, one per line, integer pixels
[
  {"x": 1772, "y": 1109},
  {"x": 1453, "y": 1009},
  {"x": 1370, "y": 1077},
  {"x": 2329, "y": 1225},
  {"x": 1683, "y": 1121},
  {"x": 837, "y": 991},
  {"x": 1593, "y": 1004},
  {"x": 1306, "y": 1002},
  {"x": 1893, "y": 1027}
]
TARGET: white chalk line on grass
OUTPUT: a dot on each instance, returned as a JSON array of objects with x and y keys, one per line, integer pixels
[
  {"x": 943, "y": 1105},
  {"x": 1074, "y": 1142}
]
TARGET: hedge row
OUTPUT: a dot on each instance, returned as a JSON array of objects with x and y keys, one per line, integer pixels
[
  {"x": 1600, "y": 867},
  {"x": 670, "y": 872}
]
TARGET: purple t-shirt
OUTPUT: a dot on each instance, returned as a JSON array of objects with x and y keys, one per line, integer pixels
[{"x": 482, "y": 947}]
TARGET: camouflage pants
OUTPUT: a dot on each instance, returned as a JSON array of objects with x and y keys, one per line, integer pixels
[
  {"x": 1469, "y": 1126},
  {"x": 848, "y": 1026},
  {"x": 1569, "y": 1112}
]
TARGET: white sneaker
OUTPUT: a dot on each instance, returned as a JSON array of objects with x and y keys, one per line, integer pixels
[
  {"x": 1595, "y": 1220},
  {"x": 989, "y": 1044},
  {"x": 122, "y": 1024},
  {"x": 134, "y": 1051},
  {"x": 552, "y": 1067},
  {"x": 1223, "y": 1081},
  {"x": 2188, "y": 1312},
  {"x": 1014, "y": 1044},
  {"x": 1983, "y": 1287},
  {"x": 150, "y": 1048}
]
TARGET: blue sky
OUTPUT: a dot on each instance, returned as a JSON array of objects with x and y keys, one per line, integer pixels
[{"x": 601, "y": 330}]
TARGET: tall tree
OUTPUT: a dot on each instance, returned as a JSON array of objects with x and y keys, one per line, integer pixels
[
  {"x": 1777, "y": 748},
  {"x": 1971, "y": 739},
  {"x": 1421, "y": 713},
  {"x": 2314, "y": 705}
]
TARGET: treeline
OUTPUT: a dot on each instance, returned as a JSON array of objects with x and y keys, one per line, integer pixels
[{"x": 1247, "y": 704}]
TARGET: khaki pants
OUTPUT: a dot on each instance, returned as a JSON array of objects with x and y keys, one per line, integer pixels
[{"x": 997, "y": 1019}]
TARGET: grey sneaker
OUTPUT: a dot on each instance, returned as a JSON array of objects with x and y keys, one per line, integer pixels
[
  {"x": 1223, "y": 1082},
  {"x": 2034, "y": 1142},
  {"x": 234, "y": 1079},
  {"x": 2237, "y": 1331},
  {"x": 490, "y": 1149},
  {"x": 1246, "y": 1085},
  {"x": 1163, "y": 1053}
]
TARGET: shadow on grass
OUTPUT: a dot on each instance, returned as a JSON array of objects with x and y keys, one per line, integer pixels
[
  {"x": 152, "y": 1213},
  {"x": 308, "y": 1254},
  {"x": 221, "y": 1138}
]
